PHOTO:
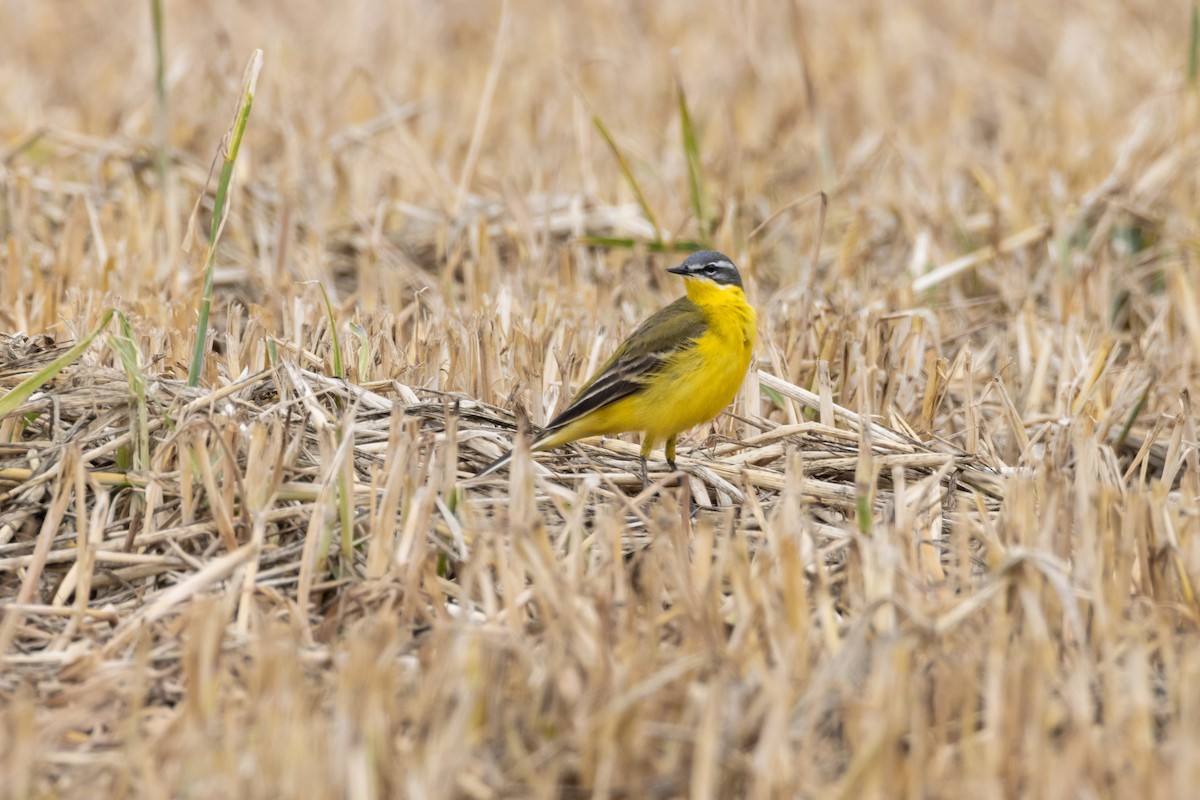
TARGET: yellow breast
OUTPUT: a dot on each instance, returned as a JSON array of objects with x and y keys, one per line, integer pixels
[{"x": 703, "y": 380}]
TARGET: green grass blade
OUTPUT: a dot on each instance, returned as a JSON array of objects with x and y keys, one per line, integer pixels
[
  {"x": 231, "y": 145},
  {"x": 772, "y": 395},
  {"x": 122, "y": 342},
  {"x": 339, "y": 369},
  {"x": 862, "y": 512},
  {"x": 364, "y": 351},
  {"x": 629, "y": 243},
  {"x": 160, "y": 92},
  {"x": 1134, "y": 413},
  {"x": 691, "y": 150},
  {"x": 21, "y": 392},
  {"x": 627, "y": 171}
]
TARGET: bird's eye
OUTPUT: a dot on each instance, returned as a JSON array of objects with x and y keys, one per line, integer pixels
[{"x": 709, "y": 269}]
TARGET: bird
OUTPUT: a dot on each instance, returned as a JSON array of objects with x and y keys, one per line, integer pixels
[{"x": 680, "y": 368}]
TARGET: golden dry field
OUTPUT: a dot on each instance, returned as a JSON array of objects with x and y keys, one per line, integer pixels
[{"x": 944, "y": 544}]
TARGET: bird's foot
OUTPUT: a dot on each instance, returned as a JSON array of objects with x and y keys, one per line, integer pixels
[{"x": 676, "y": 478}]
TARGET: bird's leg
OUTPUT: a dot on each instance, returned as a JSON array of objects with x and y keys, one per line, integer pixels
[{"x": 678, "y": 480}]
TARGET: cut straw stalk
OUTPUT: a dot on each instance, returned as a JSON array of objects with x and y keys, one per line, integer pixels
[{"x": 1012, "y": 243}]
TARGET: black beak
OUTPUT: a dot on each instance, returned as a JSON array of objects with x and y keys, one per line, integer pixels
[{"x": 680, "y": 270}]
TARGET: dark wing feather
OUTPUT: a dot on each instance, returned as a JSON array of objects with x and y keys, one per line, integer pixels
[{"x": 637, "y": 360}]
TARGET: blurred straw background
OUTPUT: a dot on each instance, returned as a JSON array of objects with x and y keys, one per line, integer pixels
[{"x": 945, "y": 541}]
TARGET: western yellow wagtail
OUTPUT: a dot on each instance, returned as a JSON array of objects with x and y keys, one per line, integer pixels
[{"x": 679, "y": 369}]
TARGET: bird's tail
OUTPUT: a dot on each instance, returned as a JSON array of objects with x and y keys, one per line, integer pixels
[
  {"x": 543, "y": 440},
  {"x": 495, "y": 465}
]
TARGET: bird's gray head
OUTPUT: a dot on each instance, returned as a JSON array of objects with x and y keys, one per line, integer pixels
[{"x": 709, "y": 265}]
